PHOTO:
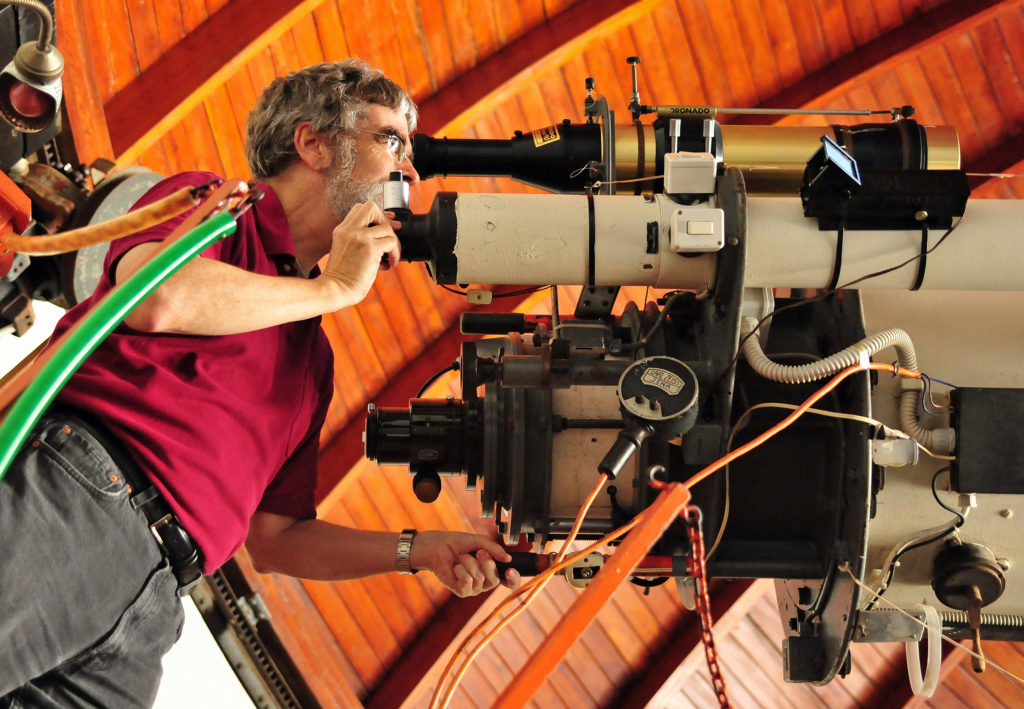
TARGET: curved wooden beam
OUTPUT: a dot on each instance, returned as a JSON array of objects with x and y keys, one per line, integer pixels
[
  {"x": 192, "y": 69},
  {"x": 880, "y": 55},
  {"x": 461, "y": 102}
]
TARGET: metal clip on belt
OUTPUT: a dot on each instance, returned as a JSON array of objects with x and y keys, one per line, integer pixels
[{"x": 172, "y": 538}]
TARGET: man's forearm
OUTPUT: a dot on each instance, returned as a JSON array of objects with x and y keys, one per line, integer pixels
[
  {"x": 314, "y": 549},
  {"x": 207, "y": 297}
]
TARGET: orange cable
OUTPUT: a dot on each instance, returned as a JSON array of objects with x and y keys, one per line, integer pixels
[
  {"x": 538, "y": 587},
  {"x": 797, "y": 413},
  {"x": 541, "y": 580}
]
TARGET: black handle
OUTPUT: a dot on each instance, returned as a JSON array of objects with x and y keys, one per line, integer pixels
[{"x": 525, "y": 562}]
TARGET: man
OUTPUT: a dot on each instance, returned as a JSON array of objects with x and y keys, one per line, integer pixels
[{"x": 198, "y": 420}]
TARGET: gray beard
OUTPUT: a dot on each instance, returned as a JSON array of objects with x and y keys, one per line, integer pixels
[{"x": 345, "y": 192}]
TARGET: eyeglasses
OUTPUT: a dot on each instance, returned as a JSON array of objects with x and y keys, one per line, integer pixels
[{"x": 394, "y": 144}]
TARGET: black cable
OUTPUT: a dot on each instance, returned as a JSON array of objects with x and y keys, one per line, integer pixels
[
  {"x": 453, "y": 367},
  {"x": 643, "y": 341},
  {"x": 509, "y": 294},
  {"x": 826, "y": 293},
  {"x": 943, "y": 505},
  {"x": 891, "y": 571}
]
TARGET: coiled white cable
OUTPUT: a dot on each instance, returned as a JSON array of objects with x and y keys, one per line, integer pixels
[{"x": 939, "y": 440}]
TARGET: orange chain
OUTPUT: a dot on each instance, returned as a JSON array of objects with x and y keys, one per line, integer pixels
[{"x": 698, "y": 571}]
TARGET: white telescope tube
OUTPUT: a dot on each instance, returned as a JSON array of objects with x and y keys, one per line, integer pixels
[{"x": 553, "y": 239}]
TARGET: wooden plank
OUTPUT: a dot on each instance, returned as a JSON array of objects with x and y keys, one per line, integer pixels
[
  {"x": 364, "y": 357},
  {"x": 343, "y": 625},
  {"x": 681, "y": 655},
  {"x": 887, "y": 52},
  {"x": 308, "y": 49},
  {"x": 735, "y": 61},
  {"x": 427, "y": 658},
  {"x": 835, "y": 29},
  {"x": 329, "y": 28},
  {"x": 82, "y": 98},
  {"x": 145, "y": 32},
  {"x": 227, "y": 135},
  {"x": 125, "y": 62},
  {"x": 181, "y": 78},
  {"x": 504, "y": 72},
  {"x": 380, "y": 333},
  {"x": 861, "y": 20},
  {"x": 306, "y": 636},
  {"x": 193, "y": 13}
]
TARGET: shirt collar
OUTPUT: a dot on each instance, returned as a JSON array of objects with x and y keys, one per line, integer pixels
[{"x": 272, "y": 223}]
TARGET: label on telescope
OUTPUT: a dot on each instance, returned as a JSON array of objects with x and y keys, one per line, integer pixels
[
  {"x": 544, "y": 136},
  {"x": 663, "y": 379}
]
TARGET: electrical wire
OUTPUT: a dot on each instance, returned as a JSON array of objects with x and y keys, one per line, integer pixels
[
  {"x": 453, "y": 367},
  {"x": 442, "y": 700},
  {"x": 94, "y": 328},
  {"x": 742, "y": 420},
  {"x": 922, "y": 539},
  {"x": 800, "y": 410},
  {"x": 643, "y": 341},
  {"x": 509, "y": 294},
  {"x": 877, "y": 597},
  {"x": 827, "y": 292},
  {"x": 135, "y": 221}
]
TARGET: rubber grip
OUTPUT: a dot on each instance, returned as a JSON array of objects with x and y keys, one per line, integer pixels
[{"x": 525, "y": 562}]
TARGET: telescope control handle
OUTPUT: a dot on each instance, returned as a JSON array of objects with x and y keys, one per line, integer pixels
[{"x": 525, "y": 562}]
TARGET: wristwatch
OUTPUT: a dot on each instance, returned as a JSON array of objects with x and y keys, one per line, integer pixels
[{"x": 403, "y": 554}]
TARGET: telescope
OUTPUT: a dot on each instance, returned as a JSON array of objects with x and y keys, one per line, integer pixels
[{"x": 778, "y": 252}]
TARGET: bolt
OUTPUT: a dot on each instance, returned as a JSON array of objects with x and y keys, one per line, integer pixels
[
  {"x": 1004, "y": 564},
  {"x": 586, "y": 573},
  {"x": 1006, "y": 514},
  {"x": 920, "y": 215}
]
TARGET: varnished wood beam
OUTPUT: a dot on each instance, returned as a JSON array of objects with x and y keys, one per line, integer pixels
[
  {"x": 423, "y": 660},
  {"x": 183, "y": 77},
  {"x": 879, "y": 56},
  {"x": 677, "y": 643},
  {"x": 461, "y": 102},
  {"x": 82, "y": 103}
]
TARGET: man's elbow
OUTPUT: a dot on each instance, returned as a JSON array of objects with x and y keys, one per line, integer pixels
[
  {"x": 154, "y": 315},
  {"x": 261, "y": 560}
]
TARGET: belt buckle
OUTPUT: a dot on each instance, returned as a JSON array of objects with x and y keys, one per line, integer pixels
[
  {"x": 155, "y": 526},
  {"x": 184, "y": 587}
]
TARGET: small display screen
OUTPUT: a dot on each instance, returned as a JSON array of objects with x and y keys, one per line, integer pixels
[{"x": 835, "y": 154}]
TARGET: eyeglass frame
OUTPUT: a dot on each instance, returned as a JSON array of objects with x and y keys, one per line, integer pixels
[{"x": 398, "y": 152}]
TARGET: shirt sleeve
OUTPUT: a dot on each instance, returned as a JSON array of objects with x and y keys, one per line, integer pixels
[
  {"x": 159, "y": 232},
  {"x": 292, "y": 492}
]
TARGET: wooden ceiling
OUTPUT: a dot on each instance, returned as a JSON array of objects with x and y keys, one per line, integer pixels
[{"x": 168, "y": 85}]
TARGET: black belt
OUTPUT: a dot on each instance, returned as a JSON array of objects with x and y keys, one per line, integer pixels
[{"x": 170, "y": 535}]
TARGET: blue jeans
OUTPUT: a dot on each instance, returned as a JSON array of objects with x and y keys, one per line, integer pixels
[{"x": 87, "y": 600}]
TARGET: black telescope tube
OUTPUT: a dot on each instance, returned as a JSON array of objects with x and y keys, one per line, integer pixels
[{"x": 551, "y": 158}]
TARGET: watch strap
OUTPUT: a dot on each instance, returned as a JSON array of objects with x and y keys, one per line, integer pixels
[{"x": 403, "y": 554}]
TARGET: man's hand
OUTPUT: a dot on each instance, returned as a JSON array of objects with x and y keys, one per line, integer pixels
[
  {"x": 364, "y": 242},
  {"x": 465, "y": 563}
]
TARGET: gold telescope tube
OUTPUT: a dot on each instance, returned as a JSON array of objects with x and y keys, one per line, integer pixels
[{"x": 772, "y": 158}]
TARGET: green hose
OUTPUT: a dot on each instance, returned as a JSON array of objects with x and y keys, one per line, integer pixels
[{"x": 94, "y": 328}]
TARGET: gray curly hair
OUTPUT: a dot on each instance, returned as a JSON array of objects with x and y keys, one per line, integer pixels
[{"x": 331, "y": 96}]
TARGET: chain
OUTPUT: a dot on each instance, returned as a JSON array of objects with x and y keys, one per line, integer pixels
[{"x": 698, "y": 571}]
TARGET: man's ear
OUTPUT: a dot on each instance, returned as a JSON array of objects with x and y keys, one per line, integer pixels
[{"x": 313, "y": 147}]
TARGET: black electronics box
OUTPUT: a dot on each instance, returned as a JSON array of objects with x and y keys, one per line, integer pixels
[{"x": 989, "y": 425}]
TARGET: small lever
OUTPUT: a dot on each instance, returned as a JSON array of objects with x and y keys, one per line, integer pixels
[{"x": 974, "y": 620}]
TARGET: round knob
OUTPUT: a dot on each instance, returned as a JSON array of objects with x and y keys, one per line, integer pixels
[
  {"x": 426, "y": 484},
  {"x": 962, "y": 567}
]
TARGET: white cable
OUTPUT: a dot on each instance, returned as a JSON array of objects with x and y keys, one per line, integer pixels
[
  {"x": 940, "y": 440},
  {"x": 925, "y": 687}
]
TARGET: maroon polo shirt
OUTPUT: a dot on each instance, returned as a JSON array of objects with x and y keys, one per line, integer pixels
[{"x": 225, "y": 425}]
